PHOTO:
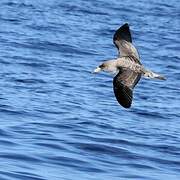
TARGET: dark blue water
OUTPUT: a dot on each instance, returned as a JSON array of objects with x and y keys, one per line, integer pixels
[{"x": 60, "y": 122}]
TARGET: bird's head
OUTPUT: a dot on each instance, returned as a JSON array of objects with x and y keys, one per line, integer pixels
[{"x": 107, "y": 66}]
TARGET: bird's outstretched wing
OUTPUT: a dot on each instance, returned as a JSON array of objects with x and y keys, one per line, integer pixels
[
  {"x": 123, "y": 41},
  {"x": 126, "y": 79},
  {"x": 123, "y": 84}
]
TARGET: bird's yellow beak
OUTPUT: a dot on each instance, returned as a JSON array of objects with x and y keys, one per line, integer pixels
[{"x": 98, "y": 69}]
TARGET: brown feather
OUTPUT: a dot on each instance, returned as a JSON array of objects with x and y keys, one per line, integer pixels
[{"x": 123, "y": 84}]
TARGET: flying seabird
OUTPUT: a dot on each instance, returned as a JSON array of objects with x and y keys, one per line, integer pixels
[{"x": 127, "y": 67}]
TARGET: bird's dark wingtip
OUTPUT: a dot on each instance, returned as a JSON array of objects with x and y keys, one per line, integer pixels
[
  {"x": 123, "y": 33},
  {"x": 127, "y": 106},
  {"x": 125, "y": 25},
  {"x": 122, "y": 93}
]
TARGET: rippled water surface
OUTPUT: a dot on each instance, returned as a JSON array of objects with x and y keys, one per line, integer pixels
[{"x": 60, "y": 122}]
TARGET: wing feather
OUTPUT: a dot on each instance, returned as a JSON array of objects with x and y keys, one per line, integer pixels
[
  {"x": 123, "y": 33},
  {"x": 123, "y": 84},
  {"x": 123, "y": 41}
]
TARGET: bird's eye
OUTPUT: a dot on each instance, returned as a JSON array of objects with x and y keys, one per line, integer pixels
[{"x": 102, "y": 66}]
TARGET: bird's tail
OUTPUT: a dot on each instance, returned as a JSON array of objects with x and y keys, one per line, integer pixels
[{"x": 152, "y": 75}]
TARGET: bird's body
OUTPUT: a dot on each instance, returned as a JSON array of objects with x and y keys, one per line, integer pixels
[{"x": 127, "y": 67}]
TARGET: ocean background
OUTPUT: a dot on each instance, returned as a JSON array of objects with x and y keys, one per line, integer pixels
[{"x": 60, "y": 122}]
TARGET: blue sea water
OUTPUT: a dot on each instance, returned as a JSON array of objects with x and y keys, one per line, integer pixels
[{"x": 60, "y": 122}]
